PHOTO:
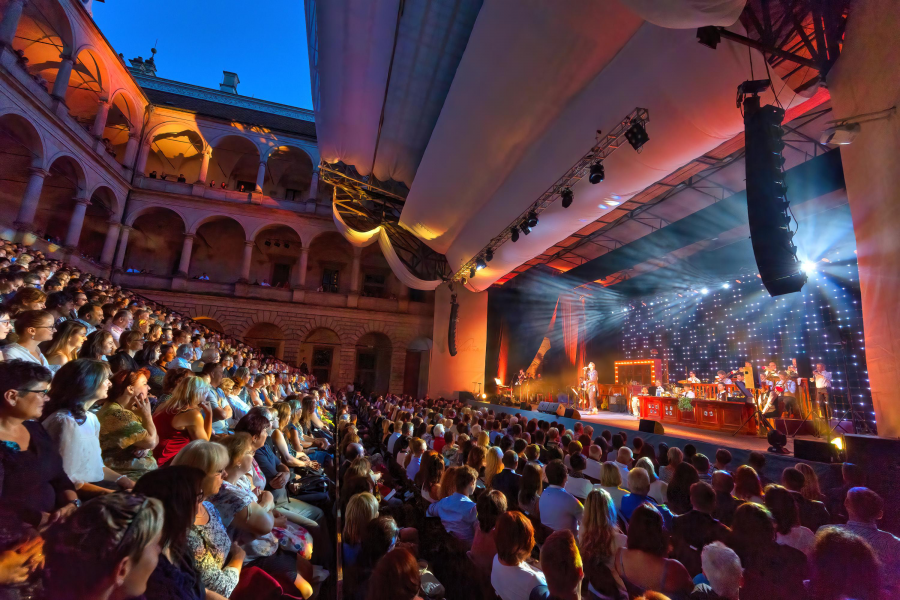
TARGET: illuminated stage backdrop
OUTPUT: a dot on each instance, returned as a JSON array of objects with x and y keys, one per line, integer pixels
[{"x": 727, "y": 326}]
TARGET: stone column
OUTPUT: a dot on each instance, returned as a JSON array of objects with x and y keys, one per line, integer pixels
[
  {"x": 204, "y": 166},
  {"x": 245, "y": 265},
  {"x": 10, "y": 22},
  {"x": 304, "y": 266},
  {"x": 123, "y": 245},
  {"x": 354, "y": 270},
  {"x": 109, "y": 244},
  {"x": 31, "y": 197},
  {"x": 100, "y": 119},
  {"x": 314, "y": 186},
  {"x": 143, "y": 155},
  {"x": 185, "y": 263},
  {"x": 76, "y": 222},
  {"x": 62, "y": 77},
  {"x": 260, "y": 176},
  {"x": 131, "y": 148}
]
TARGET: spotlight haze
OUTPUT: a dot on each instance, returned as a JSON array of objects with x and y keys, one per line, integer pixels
[
  {"x": 726, "y": 285},
  {"x": 808, "y": 266},
  {"x": 704, "y": 291}
]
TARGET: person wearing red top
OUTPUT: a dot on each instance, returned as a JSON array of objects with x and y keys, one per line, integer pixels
[{"x": 183, "y": 417}]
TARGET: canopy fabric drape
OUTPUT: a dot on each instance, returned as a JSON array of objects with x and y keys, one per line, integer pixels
[
  {"x": 361, "y": 239},
  {"x": 687, "y": 14}
]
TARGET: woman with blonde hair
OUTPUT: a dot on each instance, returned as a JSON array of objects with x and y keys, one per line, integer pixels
[
  {"x": 184, "y": 416},
  {"x": 361, "y": 509},
  {"x": 289, "y": 456},
  {"x": 207, "y": 540},
  {"x": 66, "y": 343},
  {"x": 611, "y": 482},
  {"x": 600, "y": 537},
  {"x": 493, "y": 465},
  {"x": 484, "y": 440},
  {"x": 810, "y": 489},
  {"x": 257, "y": 519}
]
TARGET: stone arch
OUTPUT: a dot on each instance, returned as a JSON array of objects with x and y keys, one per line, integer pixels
[
  {"x": 210, "y": 323},
  {"x": 235, "y": 160},
  {"x": 120, "y": 124},
  {"x": 372, "y": 369},
  {"x": 22, "y": 148},
  {"x": 44, "y": 35},
  {"x": 218, "y": 248},
  {"x": 156, "y": 240},
  {"x": 330, "y": 263},
  {"x": 176, "y": 148},
  {"x": 289, "y": 172},
  {"x": 320, "y": 349},
  {"x": 129, "y": 220},
  {"x": 88, "y": 85},
  {"x": 103, "y": 208},
  {"x": 266, "y": 336},
  {"x": 64, "y": 183},
  {"x": 377, "y": 280},
  {"x": 276, "y": 255}
]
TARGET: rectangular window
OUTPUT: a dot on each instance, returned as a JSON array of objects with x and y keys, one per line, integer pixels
[
  {"x": 330, "y": 280},
  {"x": 373, "y": 286}
]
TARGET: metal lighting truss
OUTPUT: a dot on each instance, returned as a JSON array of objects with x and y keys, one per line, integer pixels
[
  {"x": 363, "y": 205},
  {"x": 605, "y": 146}
]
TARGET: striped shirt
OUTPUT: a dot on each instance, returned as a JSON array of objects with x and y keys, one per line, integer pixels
[{"x": 885, "y": 545}]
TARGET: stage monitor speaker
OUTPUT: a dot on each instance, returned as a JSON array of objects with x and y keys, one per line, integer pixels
[
  {"x": 572, "y": 413},
  {"x": 767, "y": 206},
  {"x": 466, "y": 396},
  {"x": 524, "y": 406},
  {"x": 618, "y": 404},
  {"x": 651, "y": 426},
  {"x": 815, "y": 450},
  {"x": 548, "y": 407}
]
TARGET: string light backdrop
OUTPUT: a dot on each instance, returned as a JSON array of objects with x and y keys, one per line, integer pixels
[{"x": 733, "y": 321}]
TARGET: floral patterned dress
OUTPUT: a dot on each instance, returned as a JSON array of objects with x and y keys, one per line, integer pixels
[
  {"x": 235, "y": 497},
  {"x": 210, "y": 545},
  {"x": 120, "y": 429}
]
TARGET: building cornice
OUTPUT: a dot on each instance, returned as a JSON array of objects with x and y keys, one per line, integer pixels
[{"x": 211, "y": 95}]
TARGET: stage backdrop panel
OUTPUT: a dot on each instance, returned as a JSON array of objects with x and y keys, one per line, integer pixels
[{"x": 450, "y": 374}]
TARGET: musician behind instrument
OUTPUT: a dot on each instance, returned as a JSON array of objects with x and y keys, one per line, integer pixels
[
  {"x": 721, "y": 392},
  {"x": 692, "y": 377},
  {"x": 775, "y": 400},
  {"x": 658, "y": 389},
  {"x": 520, "y": 378}
]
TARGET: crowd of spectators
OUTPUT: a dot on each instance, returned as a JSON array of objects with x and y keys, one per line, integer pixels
[
  {"x": 497, "y": 505},
  {"x": 143, "y": 455}
]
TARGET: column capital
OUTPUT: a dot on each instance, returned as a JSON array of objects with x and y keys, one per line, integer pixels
[
  {"x": 249, "y": 242},
  {"x": 189, "y": 236},
  {"x": 82, "y": 200},
  {"x": 67, "y": 58},
  {"x": 357, "y": 251},
  {"x": 304, "y": 249},
  {"x": 114, "y": 221},
  {"x": 38, "y": 172},
  {"x": 102, "y": 101}
]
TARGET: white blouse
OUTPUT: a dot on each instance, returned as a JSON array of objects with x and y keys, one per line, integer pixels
[
  {"x": 79, "y": 445},
  {"x": 17, "y": 352}
]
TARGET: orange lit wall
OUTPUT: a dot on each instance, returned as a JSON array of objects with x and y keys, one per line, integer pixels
[
  {"x": 451, "y": 374},
  {"x": 866, "y": 79}
]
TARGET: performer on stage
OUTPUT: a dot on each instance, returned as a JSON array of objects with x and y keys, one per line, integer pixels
[
  {"x": 692, "y": 377},
  {"x": 721, "y": 392},
  {"x": 789, "y": 394},
  {"x": 722, "y": 377},
  {"x": 592, "y": 387},
  {"x": 520, "y": 378},
  {"x": 823, "y": 388},
  {"x": 769, "y": 377}
]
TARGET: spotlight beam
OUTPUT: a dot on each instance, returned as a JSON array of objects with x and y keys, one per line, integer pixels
[{"x": 602, "y": 149}]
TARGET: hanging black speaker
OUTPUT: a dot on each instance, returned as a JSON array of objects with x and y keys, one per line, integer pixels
[
  {"x": 451, "y": 326},
  {"x": 768, "y": 213}
]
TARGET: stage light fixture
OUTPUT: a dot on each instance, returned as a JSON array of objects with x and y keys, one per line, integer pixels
[
  {"x": 709, "y": 36},
  {"x": 471, "y": 272},
  {"x": 514, "y": 235},
  {"x": 637, "y": 135},
  {"x": 704, "y": 291},
  {"x": 480, "y": 264},
  {"x": 598, "y": 173},
  {"x": 567, "y": 197},
  {"x": 726, "y": 285},
  {"x": 268, "y": 243},
  {"x": 525, "y": 228},
  {"x": 532, "y": 219},
  {"x": 278, "y": 244},
  {"x": 489, "y": 255},
  {"x": 808, "y": 266}
]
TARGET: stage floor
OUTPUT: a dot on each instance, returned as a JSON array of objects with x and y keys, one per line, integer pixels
[{"x": 706, "y": 441}]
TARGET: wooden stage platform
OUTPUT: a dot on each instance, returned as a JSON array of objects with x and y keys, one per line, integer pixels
[{"x": 707, "y": 441}]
